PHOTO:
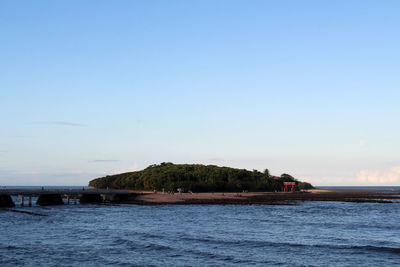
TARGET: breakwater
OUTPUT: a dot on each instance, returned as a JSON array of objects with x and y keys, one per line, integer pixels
[{"x": 59, "y": 197}]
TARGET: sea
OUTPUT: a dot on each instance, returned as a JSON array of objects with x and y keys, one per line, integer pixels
[{"x": 303, "y": 234}]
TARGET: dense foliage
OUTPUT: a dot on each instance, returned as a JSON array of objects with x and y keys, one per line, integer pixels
[{"x": 197, "y": 178}]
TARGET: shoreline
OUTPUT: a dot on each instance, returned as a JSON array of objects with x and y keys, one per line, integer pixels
[{"x": 270, "y": 198}]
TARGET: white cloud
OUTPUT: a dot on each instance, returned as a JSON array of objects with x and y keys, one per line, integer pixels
[
  {"x": 104, "y": 160},
  {"x": 379, "y": 177},
  {"x": 362, "y": 142},
  {"x": 65, "y": 123}
]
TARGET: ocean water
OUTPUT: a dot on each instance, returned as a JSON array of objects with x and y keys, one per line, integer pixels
[{"x": 306, "y": 234}]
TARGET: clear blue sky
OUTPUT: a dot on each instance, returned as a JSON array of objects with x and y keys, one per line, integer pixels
[{"x": 309, "y": 88}]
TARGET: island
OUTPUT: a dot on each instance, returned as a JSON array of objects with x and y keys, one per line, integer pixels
[{"x": 169, "y": 177}]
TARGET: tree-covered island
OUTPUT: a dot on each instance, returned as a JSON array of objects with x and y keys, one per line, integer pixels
[{"x": 197, "y": 178}]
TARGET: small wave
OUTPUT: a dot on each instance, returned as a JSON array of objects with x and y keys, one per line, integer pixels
[
  {"x": 120, "y": 241},
  {"x": 11, "y": 247},
  {"x": 378, "y": 249},
  {"x": 360, "y": 247},
  {"x": 247, "y": 243},
  {"x": 226, "y": 259},
  {"x": 208, "y": 254},
  {"x": 131, "y": 244},
  {"x": 260, "y": 243},
  {"x": 157, "y": 247}
]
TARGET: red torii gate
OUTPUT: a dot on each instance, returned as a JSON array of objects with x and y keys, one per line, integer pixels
[{"x": 286, "y": 189}]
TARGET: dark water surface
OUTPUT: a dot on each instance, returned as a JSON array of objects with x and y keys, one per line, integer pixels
[{"x": 307, "y": 234}]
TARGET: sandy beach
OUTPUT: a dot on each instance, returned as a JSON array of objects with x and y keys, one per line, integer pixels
[{"x": 381, "y": 196}]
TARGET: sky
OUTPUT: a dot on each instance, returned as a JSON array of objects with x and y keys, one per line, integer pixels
[{"x": 94, "y": 88}]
